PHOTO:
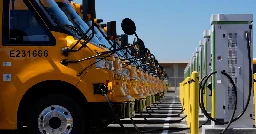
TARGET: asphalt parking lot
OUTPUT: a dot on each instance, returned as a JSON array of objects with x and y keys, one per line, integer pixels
[{"x": 164, "y": 118}]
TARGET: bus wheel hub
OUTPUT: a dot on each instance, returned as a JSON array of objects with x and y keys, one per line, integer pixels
[{"x": 55, "y": 120}]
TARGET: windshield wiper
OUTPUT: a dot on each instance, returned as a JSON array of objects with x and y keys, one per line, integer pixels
[
  {"x": 86, "y": 39},
  {"x": 104, "y": 36},
  {"x": 75, "y": 29},
  {"x": 55, "y": 20}
]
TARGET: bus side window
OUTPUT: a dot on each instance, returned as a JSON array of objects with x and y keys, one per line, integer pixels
[
  {"x": 24, "y": 28},
  {"x": 20, "y": 28}
]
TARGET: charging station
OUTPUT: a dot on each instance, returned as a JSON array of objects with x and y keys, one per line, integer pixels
[
  {"x": 190, "y": 67},
  {"x": 193, "y": 62},
  {"x": 230, "y": 36},
  {"x": 207, "y": 68},
  {"x": 200, "y": 64},
  {"x": 197, "y": 59},
  {"x": 201, "y": 61}
]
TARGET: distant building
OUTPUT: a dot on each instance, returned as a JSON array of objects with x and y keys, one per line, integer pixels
[{"x": 175, "y": 71}]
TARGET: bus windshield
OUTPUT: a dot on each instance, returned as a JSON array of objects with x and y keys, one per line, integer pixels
[
  {"x": 53, "y": 12},
  {"x": 76, "y": 19},
  {"x": 100, "y": 36}
]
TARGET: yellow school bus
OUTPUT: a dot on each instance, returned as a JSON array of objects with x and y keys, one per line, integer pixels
[{"x": 54, "y": 72}]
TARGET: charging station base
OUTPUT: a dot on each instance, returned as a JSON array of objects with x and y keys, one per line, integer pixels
[{"x": 209, "y": 129}]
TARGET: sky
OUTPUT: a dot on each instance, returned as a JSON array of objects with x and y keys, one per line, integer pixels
[{"x": 171, "y": 29}]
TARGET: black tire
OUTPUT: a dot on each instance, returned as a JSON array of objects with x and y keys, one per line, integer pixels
[{"x": 61, "y": 100}]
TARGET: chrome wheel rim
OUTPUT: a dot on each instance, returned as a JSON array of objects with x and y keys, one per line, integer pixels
[{"x": 55, "y": 119}]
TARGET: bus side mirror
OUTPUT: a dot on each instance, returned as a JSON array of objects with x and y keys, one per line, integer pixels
[
  {"x": 124, "y": 40},
  {"x": 111, "y": 30},
  {"x": 128, "y": 26}
]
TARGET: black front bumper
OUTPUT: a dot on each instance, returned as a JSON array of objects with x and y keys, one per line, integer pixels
[
  {"x": 140, "y": 105},
  {"x": 125, "y": 109}
]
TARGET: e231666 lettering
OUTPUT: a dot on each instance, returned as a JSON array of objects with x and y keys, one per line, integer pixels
[{"x": 28, "y": 53}]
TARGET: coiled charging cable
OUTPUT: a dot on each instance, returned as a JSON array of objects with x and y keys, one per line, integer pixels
[
  {"x": 176, "y": 115},
  {"x": 170, "y": 121},
  {"x": 104, "y": 93},
  {"x": 202, "y": 100}
]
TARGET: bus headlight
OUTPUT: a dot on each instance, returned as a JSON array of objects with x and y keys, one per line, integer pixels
[{"x": 104, "y": 63}]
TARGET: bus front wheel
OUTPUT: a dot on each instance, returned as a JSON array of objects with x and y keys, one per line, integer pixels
[{"x": 56, "y": 114}]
